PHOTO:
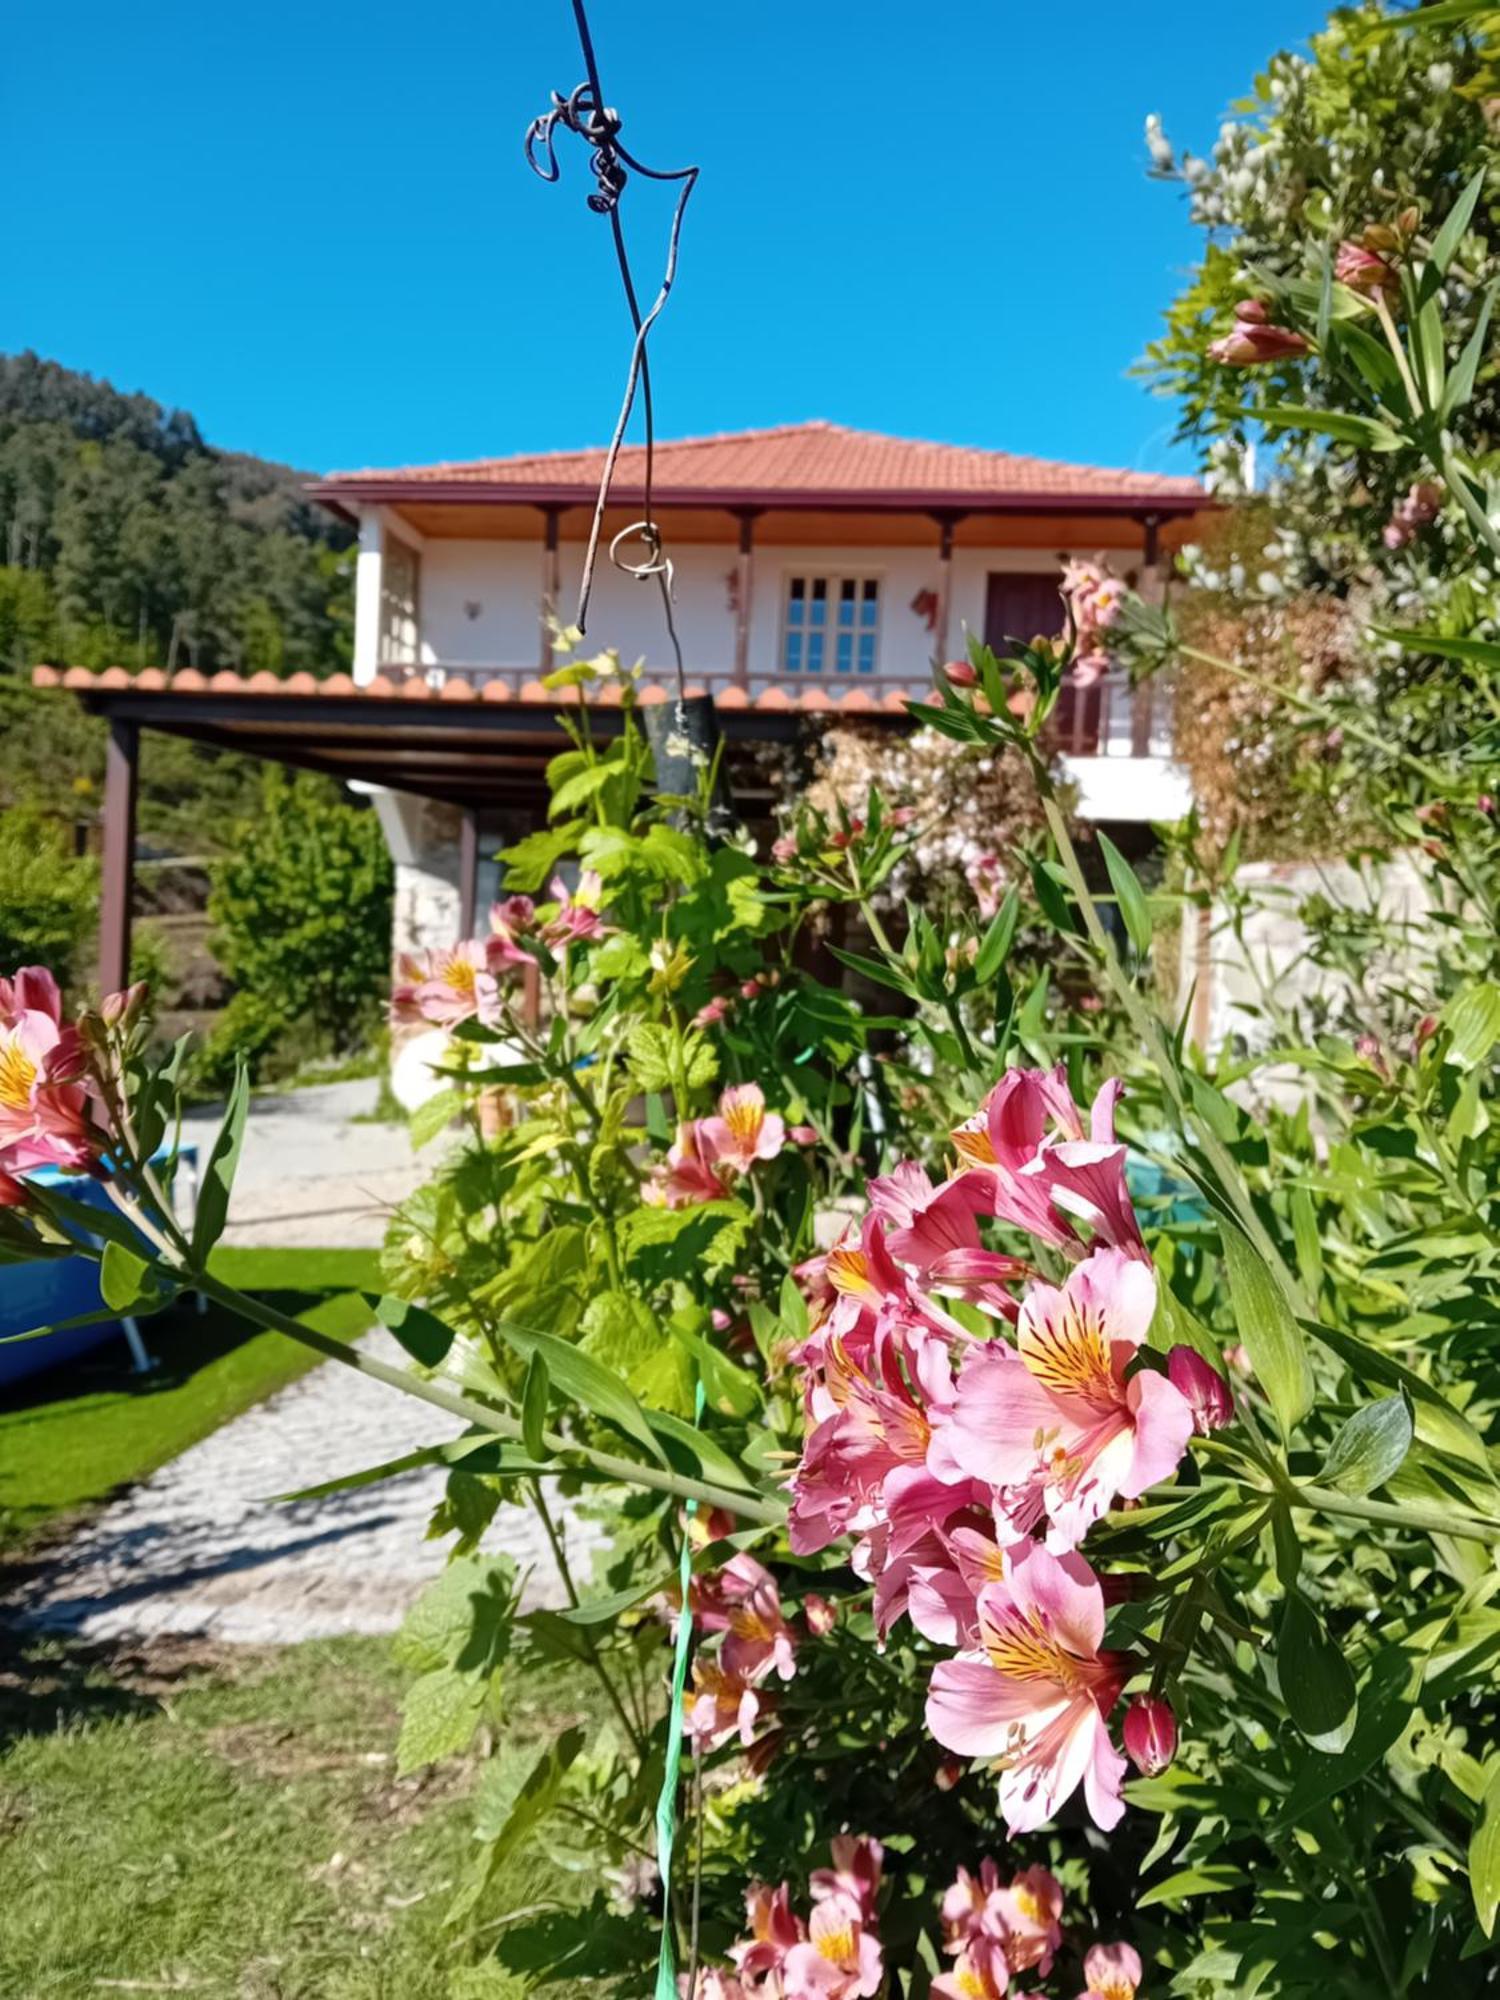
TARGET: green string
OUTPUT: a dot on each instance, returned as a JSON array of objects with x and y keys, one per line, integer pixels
[{"x": 666, "y": 1804}]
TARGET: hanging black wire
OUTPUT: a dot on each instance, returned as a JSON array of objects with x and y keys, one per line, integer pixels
[{"x": 585, "y": 113}]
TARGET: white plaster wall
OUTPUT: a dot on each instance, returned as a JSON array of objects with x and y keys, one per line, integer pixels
[
  {"x": 504, "y": 580},
  {"x": 1233, "y": 976}
]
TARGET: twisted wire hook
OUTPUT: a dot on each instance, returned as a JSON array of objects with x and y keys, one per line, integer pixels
[{"x": 584, "y": 112}]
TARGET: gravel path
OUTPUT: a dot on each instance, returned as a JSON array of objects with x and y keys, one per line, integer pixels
[
  {"x": 203, "y": 1548},
  {"x": 316, "y": 1169}
]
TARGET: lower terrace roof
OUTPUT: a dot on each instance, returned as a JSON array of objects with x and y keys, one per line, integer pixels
[{"x": 471, "y": 742}]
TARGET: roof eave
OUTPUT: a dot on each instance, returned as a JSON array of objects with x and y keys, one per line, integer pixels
[{"x": 337, "y": 494}]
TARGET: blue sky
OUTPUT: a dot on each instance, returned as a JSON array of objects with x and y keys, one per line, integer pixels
[{"x": 312, "y": 226}]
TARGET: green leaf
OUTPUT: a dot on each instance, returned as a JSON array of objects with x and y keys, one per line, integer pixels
[
  {"x": 535, "y": 1394},
  {"x": 1472, "y": 1018},
  {"x": 425, "y": 1337},
  {"x": 579, "y": 1377},
  {"x": 439, "y": 1714},
  {"x": 125, "y": 1280},
  {"x": 1384, "y": 1709},
  {"x": 462, "y": 1619},
  {"x": 434, "y": 1116},
  {"x": 712, "y": 1461},
  {"x": 1341, "y": 425},
  {"x": 1484, "y": 1852},
  {"x": 876, "y": 970},
  {"x": 1050, "y": 886},
  {"x": 1270, "y": 1335},
  {"x": 1134, "y": 908},
  {"x": 1483, "y": 652},
  {"x": 1461, "y": 381},
  {"x": 599, "y": 1610},
  {"x": 1316, "y": 1683},
  {"x": 1436, "y": 1421},
  {"x": 505, "y": 1810},
  {"x": 218, "y": 1175},
  {"x": 1445, "y": 243},
  {"x": 1305, "y": 1235},
  {"x": 1369, "y": 1448},
  {"x": 994, "y": 947},
  {"x": 1213, "y": 1878}
]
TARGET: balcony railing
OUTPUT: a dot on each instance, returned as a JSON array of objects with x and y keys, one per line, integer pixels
[{"x": 1108, "y": 718}]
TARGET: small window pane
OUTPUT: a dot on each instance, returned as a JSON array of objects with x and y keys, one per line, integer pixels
[
  {"x": 815, "y": 652},
  {"x": 796, "y": 589},
  {"x": 846, "y": 642},
  {"x": 794, "y": 652},
  {"x": 820, "y": 588},
  {"x": 867, "y": 652}
]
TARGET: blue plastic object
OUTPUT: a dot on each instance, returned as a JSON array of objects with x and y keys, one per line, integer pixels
[{"x": 58, "y": 1288}]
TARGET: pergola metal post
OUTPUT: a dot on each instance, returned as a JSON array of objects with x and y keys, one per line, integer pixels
[{"x": 121, "y": 777}]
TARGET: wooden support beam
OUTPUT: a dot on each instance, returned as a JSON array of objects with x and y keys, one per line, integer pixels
[
  {"x": 551, "y": 584},
  {"x": 468, "y": 870},
  {"x": 121, "y": 779},
  {"x": 744, "y": 591},
  {"x": 946, "y": 524}
]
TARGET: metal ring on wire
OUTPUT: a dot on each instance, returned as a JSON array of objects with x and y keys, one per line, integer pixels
[{"x": 657, "y": 563}]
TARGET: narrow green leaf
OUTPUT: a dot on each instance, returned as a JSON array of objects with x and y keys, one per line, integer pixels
[
  {"x": 1305, "y": 1236},
  {"x": 995, "y": 946},
  {"x": 1050, "y": 895},
  {"x": 1134, "y": 908},
  {"x": 1267, "y": 1330},
  {"x": 1484, "y": 1852},
  {"x": 875, "y": 969},
  {"x": 1445, "y": 243},
  {"x": 218, "y": 1176},
  {"x": 1369, "y": 1448},
  {"x": 579, "y": 1377},
  {"x": 1461, "y": 381},
  {"x": 535, "y": 1395},
  {"x": 599, "y": 1610},
  {"x": 1212, "y": 1878},
  {"x": 712, "y": 1461},
  {"x": 1316, "y": 1683},
  {"x": 1341, "y": 425}
]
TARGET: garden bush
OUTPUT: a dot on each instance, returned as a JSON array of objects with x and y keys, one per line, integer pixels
[
  {"x": 47, "y": 892},
  {"x": 301, "y": 909}
]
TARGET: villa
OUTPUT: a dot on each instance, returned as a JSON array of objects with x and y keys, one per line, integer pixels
[{"x": 817, "y": 571}]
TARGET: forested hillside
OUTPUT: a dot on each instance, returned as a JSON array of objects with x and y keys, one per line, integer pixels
[{"x": 125, "y": 537}]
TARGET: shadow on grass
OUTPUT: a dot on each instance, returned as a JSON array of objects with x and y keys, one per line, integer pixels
[{"x": 49, "y": 1684}]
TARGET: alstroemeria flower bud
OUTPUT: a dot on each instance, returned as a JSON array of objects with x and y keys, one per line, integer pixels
[
  {"x": 1254, "y": 340},
  {"x": 1207, "y": 1393},
  {"x": 960, "y": 674},
  {"x": 821, "y": 1615},
  {"x": 1150, "y": 1734},
  {"x": 1364, "y": 272}
]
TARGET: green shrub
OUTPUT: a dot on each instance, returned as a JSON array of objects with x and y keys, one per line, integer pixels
[
  {"x": 301, "y": 908},
  {"x": 48, "y": 894}
]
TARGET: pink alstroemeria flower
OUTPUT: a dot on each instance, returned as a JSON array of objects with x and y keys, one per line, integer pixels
[
  {"x": 578, "y": 917},
  {"x": 687, "y": 1177},
  {"x": 773, "y": 1931},
  {"x": 978, "y": 1973},
  {"x": 746, "y": 1605},
  {"x": 450, "y": 984},
  {"x": 935, "y": 1231},
  {"x": 1067, "y": 1420},
  {"x": 1034, "y": 1695},
  {"x": 46, "y": 1116},
  {"x": 1045, "y": 1174},
  {"x": 720, "y": 1707},
  {"x": 856, "y": 1874},
  {"x": 712, "y": 1984},
  {"x": 1113, "y": 1972},
  {"x": 1027, "y": 1916},
  {"x": 840, "y": 1959},
  {"x": 743, "y": 1130}
]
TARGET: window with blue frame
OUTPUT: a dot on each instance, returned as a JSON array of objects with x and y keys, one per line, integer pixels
[{"x": 831, "y": 625}]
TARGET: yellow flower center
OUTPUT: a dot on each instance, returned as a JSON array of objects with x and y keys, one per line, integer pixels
[
  {"x": 839, "y": 1946},
  {"x": 17, "y": 1074},
  {"x": 1029, "y": 1905},
  {"x": 1028, "y": 1652},
  {"x": 971, "y": 1142},
  {"x": 744, "y": 1121},
  {"x": 460, "y": 975}
]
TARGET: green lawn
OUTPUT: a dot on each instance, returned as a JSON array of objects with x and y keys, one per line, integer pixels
[
  {"x": 72, "y": 1436},
  {"x": 231, "y": 1825}
]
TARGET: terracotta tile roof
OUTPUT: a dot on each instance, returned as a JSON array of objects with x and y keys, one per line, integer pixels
[
  {"x": 517, "y": 687},
  {"x": 810, "y": 464}
]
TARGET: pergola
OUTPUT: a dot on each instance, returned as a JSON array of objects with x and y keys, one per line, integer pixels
[{"x": 463, "y": 743}]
